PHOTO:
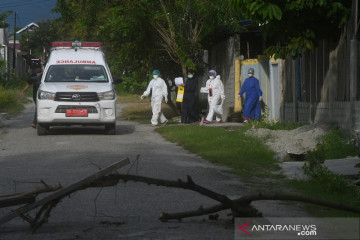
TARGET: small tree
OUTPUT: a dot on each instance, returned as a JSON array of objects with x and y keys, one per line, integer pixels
[
  {"x": 292, "y": 27},
  {"x": 3, "y": 17}
]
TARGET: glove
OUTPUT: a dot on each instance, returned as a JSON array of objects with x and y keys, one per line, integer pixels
[
  {"x": 223, "y": 97},
  {"x": 142, "y": 97},
  {"x": 239, "y": 97},
  {"x": 166, "y": 98},
  {"x": 260, "y": 98}
]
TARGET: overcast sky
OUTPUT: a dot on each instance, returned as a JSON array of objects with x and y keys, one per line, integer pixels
[{"x": 28, "y": 11}]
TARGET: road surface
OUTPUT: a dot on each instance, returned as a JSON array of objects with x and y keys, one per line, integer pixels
[{"x": 127, "y": 211}]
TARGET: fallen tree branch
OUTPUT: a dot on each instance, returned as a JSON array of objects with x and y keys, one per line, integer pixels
[
  {"x": 17, "y": 201},
  {"x": 246, "y": 201},
  {"x": 40, "y": 221},
  {"x": 26, "y": 197},
  {"x": 242, "y": 205},
  {"x": 195, "y": 213},
  {"x": 64, "y": 191},
  {"x": 242, "y": 210}
]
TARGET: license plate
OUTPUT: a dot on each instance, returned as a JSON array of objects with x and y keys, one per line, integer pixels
[{"x": 76, "y": 113}]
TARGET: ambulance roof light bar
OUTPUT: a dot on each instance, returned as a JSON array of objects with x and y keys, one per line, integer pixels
[{"x": 76, "y": 44}]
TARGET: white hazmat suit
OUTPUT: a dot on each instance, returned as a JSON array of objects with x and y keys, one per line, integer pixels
[
  {"x": 158, "y": 90},
  {"x": 216, "y": 96}
]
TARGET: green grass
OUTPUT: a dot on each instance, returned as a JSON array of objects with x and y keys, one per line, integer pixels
[
  {"x": 273, "y": 125},
  {"x": 337, "y": 144},
  {"x": 248, "y": 156},
  {"x": 131, "y": 98},
  {"x": 326, "y": 191}
]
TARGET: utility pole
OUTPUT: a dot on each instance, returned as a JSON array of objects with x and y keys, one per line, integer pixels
[
  {"x": 354, "y": 61},
  {"x": 14, "y": 52}
]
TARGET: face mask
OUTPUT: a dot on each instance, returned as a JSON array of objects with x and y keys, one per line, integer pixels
[
  {"x": 155, "y": 76},
  {"x": 250, "y": 75},
  {"x": 211, "y": 77},
  {"x": 190, "y": 76}
]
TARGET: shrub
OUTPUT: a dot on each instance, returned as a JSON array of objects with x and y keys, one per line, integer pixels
[{"x": 7, "y": 97}]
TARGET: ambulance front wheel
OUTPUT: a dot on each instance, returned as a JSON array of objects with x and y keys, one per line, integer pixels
[
  {"x": 110, "y": 129},
  {"x": 42, "y": 129}
]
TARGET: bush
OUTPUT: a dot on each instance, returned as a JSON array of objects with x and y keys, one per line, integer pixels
[
  {"x": 7, "y": 97},
  {"x": 334, "y": 145}
]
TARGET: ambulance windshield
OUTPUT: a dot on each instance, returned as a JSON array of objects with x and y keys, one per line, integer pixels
[{"x": 76, "y": 73}]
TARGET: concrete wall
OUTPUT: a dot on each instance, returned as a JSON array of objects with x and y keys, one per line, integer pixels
[
  {"x": 3, "y": 36},
  {"x": 319, "y": 113}
]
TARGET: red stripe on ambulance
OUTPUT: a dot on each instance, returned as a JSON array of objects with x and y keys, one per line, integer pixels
[{"x": 76, "y": 61}]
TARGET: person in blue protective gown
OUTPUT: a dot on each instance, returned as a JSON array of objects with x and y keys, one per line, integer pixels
[{"x": 253, "y": 97}]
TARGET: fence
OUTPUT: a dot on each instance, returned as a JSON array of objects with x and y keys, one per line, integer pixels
[
  {"x": 318, "y": 86},
  {"x": 21, "y": 66}
]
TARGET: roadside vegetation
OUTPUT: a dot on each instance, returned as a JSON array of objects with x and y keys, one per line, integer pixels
[
  {"x": 324, "y": 184},
  {"x": 140, "y": 110},
  {"x": 10, "y": 87},
  {"x": 249, "y": 158}
]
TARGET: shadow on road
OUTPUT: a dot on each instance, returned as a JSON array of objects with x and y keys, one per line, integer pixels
[{"x": 89, "y": 130}]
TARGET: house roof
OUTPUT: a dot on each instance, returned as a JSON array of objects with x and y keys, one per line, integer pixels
[{"x": 29, "y": 27}]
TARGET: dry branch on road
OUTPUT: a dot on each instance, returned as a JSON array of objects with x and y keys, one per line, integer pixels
[
  {"x": 51, "y": 200},
  {"x": 240, "y": 207}
]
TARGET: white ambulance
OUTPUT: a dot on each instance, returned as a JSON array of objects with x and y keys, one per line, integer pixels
[{"x": 76, "y": 88}]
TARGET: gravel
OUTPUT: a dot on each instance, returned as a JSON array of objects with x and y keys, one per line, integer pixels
[{"x": 297, "y": 141}]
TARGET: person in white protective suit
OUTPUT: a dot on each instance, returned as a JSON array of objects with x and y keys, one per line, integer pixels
[
  {"x": 158, "y": 90},
  {"x": 216, "y": 96}
]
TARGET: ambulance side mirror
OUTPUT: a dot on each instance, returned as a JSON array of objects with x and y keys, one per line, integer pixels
[{"x": 117, "y": 80}]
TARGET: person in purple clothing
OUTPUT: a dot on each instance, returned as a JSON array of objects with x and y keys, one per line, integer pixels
[{"x": 253, "y": 97}]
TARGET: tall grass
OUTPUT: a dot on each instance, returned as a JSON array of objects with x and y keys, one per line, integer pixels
[
  {"x": 7, "y": 97},
  {"x": 10, "y": 88},
  {"x": 10, "y": 101}
]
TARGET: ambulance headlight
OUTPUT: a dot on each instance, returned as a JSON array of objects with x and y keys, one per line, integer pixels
[
  {"x": 43, "y": 95},
  {"x": 110, "y": 95}
]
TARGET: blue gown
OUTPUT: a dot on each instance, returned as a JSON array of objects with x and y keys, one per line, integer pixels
[{"x": 252, "y": 104}]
